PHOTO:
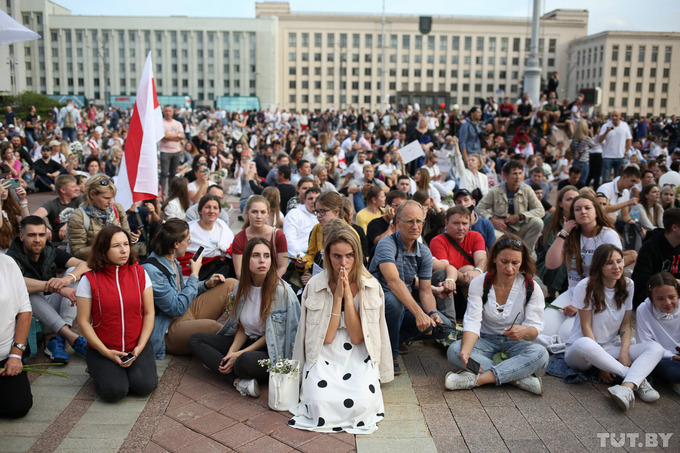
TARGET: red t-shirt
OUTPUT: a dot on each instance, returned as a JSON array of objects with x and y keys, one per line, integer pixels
[
  {"x": 442, "y": 249},
  {"x": 240, "y": 240}
]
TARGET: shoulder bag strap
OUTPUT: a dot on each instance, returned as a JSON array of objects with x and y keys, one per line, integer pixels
[{"x": 457, "y": 246}]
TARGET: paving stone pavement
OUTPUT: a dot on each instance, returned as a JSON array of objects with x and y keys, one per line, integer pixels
[{"x": 194, "y": 410}]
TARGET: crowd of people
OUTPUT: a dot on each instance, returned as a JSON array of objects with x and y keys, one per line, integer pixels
[{"x": 349, "y": 252}]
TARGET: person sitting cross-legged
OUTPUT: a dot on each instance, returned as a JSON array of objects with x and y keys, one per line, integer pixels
[{"x": 504, "y": 314}]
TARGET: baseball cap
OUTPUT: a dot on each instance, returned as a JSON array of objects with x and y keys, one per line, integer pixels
[
  {"x": 460, "y": 192},
  {"x": 55, "y": 143}
]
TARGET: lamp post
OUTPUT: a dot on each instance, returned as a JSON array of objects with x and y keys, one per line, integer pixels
[{"x": 532, "y": 71}]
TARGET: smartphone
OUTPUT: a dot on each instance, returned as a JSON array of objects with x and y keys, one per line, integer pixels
[
  {"x": 14, "y": 183},
  {"x": 198, "y": 253},
  {"x": 128, "y": 358},
  {"x": 473, "y": 366}
]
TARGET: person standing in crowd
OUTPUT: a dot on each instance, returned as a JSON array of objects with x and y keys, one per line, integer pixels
[
  {"x": 170, "y": 147},
  {"x": 470, "y": 132},
  {"x": 605, "y": 310},
  {"x": 15, "y": 316},
  {"x": 616, "y": 139},
  {"x": 505, "y": 313},
  {"x": 342, "y": 343},
  {"x": 116, "y": 317}
]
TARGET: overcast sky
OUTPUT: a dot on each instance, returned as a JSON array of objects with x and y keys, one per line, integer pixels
[{"x": 641, "y": 15}]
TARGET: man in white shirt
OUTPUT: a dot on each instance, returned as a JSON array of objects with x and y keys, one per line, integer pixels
[
  {"x": 349, "y": 142},
  {"x": 618, "y": 194},
  {"x": 298, "y": 224},
  {"x": 170, "y": 147},
  {"x": 616, "y": 138}
]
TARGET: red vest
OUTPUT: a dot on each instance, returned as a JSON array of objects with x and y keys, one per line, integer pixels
[{"x": 117, "y": 306}]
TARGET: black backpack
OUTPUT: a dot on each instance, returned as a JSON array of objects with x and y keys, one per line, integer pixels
[{"x": 488, "y": 282}]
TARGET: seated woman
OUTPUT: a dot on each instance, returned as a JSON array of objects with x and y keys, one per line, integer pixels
[
  {"x": 15, "y": 390},
  {"x": 587, "y": 228},
  {"x": 605, "y": 308},
  {"x": 504, "y": 314},
  {"x": 374, "y": 209},
  {"x": 257, "y": 213},
  {"x": 649, "y": 208},
  {"x": 658, "y": 319},
  {"x": 262, "y": 324},
  {"x": 97, "y": 211},
  {"x": 182, "y": 308},
  {"x": 178, "y": 202},
  {"x": 342, "y": 343},
  {"x": 116, "y": 316},
  {"x": 214, "y": 235}
]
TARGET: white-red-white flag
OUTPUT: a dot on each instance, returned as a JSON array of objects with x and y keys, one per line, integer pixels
[{"x": 138, "y": 176}]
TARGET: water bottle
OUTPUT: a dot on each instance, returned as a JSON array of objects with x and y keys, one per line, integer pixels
[{"x": 635, "y": 213}]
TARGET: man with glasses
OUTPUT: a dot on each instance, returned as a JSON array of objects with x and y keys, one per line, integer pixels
[
  {"x": 399, "y": 258},
  {"x": 382, "y": 226}
]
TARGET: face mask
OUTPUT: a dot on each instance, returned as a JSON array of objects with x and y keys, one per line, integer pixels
[
  {"x": 238, "y": 150},
  {"x": 471, "y": 208}
]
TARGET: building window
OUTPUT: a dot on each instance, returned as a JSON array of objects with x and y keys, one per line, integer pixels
[
  {"x": 419, "y": 42},
  {"x": 613, "y": 72},
  {"x": 638, "y": 102},
  {"x": 292, "y": 70},
  {"x": 417, "y": 73},
  {"x": 667, "y": 56},
  {"x": 626, "y": 86},
  {"x": 480, "y": 43},
  {"x": 468, "y": 43},
  {"x": 650, "y": 102},
  {"x": 454, "y": 73},
  {"x": 652, "y": 72},
  {"x": 356, "y": 40},
  {"x": 663, "y": 103},
  {"x": 405, "y": 41},
  {"x": 442, "y": 42},
  {"x": 552, "y": 45},
  {"x": 551, "y": 63},
  {"x": 624, "y": 102},
  {"x": 367, "y": 71},
  {"x": 454, "y": 87},
  {"x": 455, "y": 42},
  {"x": 317, "y": 39},
  {"x": 641, "y": 54},
  {"x": 292, "y": 56},
  {"x": 638, "y": 87},
  {"x": 515, "y": 61},
  {"x": 615, "y": 53},
  {"x": 664, "y": 88},
  {"x": 466, "y": 87},
  {"x": 368, "y": 40},
  {"x": 478, "y": 87},
  {"x": 430, "y": 73},
  {"x": 611, "y": 102},
  {"x": 291, "y": 84},
  {"x": 640, "y": 72},
  {"x": 430, "y": 43},
  {"x": 626, "y": 72},
  {"x": 612, "y": 86},
  {"x": 629, "y": 53},
  {"x": 655, "y": 54},
  {"x": 330, "y": 39},
  {"x": 666, "y": 72}
]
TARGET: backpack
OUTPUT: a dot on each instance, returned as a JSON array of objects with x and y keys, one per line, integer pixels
[
  {"x": 488, "y": 281},
  {"x": 86, "y": 225},
  {"x": 69, "y": 119},
  {"x": 632, "y": 236}
]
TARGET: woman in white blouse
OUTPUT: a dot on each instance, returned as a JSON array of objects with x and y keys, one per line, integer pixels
[
  {"x": 605, "y": 309},
  {"x": 651, "y": 212},
  {"x": 178, "y": 202},
  {"x": 658, "y": 319},
  {"x": 504, "y": 314},
  {"x": 473, "y": 177}
]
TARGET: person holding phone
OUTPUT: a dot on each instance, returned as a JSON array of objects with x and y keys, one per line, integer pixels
[
  {"x": 182, "y": 308},
  {"x": 116, "y": 317},
  {"x": 11, "y": 212},
  {"x": 262, "y": 322},
  {"x": 504, "y": 315}
]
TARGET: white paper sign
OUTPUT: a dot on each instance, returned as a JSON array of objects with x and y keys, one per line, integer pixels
[
  {"x": 316, "y": 269},
  {"x": 412, "y": 151}
]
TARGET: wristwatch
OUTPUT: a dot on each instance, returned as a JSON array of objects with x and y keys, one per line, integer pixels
[
  {"x": 522, "y": 218},
  {"x": 19, "y": 346}
]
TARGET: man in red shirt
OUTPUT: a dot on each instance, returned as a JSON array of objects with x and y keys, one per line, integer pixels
[{"x": 461, "y": 248}]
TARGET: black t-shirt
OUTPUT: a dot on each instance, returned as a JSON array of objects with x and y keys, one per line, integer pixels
[
  {"x": 375, "y": 228},
  {"x": 58, "y": 213},
  {"x": 61, "y": 258},
  {"x": 565, "y": 182},
  {"x": 32, "y": 119},
  {"x": 511, "y": 201},
  {"x": 287, "y": 192}
]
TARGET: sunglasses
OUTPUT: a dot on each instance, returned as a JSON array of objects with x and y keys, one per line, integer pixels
[
  {"x": 512, "y": 243},
  {"x": 105, "y": 182}
]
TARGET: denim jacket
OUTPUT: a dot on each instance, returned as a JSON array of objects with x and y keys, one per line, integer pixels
[
  {"x": 168, "y": 302},
  {"x": 281, "y": 324}
]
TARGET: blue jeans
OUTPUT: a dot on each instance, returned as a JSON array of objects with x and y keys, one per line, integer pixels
[
  {"x": 69, "y": 133},
  {"x": 667, "y": 370},
  {"x": 585, "y": 168},
  {"x": 525, "y": 358},
  {"x": 609, "y": 163},
  {"x": 401, "y": 324},
  {"x": 359, "y": 201}
]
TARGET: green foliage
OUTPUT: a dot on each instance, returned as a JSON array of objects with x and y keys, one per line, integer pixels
[{"x": 20, "y": 103}]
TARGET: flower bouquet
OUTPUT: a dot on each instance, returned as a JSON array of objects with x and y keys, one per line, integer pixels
[{"x": 284, "y": 385}]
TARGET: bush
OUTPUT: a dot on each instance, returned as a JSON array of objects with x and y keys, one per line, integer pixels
[{"x": 21, "y": 102}]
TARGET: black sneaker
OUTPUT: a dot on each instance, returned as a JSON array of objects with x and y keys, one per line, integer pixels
[
  {"x": 397, "y": 368},
  {"x": 404, "y": 348}
]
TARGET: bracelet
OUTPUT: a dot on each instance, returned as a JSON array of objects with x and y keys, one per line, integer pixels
[
  {"x": 15, "y": 356},
  {"x": 564, "y": 233},
  {"x": 478, "y": 270},
  {"x": 430, "y": 313},
  {"x": 450, "y": 280},
  {"x": 335, "y": 314},
  {"x": 23, "y": 205},
  {"x": 72, "y": 275}
]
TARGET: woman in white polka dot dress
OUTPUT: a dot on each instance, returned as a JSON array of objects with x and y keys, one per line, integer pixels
[{"x": 342, "y": 343}]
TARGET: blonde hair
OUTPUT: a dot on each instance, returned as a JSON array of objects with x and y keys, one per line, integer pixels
[
  {"x": 251, "y": 201},
  {"x": 341, "y": 232},
  {"x": 581, "y": 130},
  {"x": 94, "y": 184}
]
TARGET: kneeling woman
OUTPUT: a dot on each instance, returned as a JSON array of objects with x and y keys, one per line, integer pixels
[
  {"x": 115, "y": 315},
  {"x": 343, "y": 343},
  {"x": 504, "y": 314},
  {"x": 262, "y": 324},
  {"x": 658, "y": 319},
  {"x": 605, "y": 307}
]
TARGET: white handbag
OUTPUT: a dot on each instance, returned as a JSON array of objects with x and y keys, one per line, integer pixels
[{"x": 284, "y": 389}]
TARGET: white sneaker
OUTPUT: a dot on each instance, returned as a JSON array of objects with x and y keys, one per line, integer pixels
[
  {"x": 248, "y": 387},
  {"x": 646, "y": 392},
  {"x": 676, "y": 387},
  {"x": 459, "y": 381},
  {"x": 623, "y": 396},
  {"x": 555, "y": 128},
  {"x": 531, "y": 384}
]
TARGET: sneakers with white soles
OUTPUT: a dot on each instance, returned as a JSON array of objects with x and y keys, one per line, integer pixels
[
  {"x": 623, "y": 396},
  {"x": 531, "y": 384},
  {"x": 646, "y": 392},
  {"x": 459, "y": 381},
  {"x": 248, "y": 387}
]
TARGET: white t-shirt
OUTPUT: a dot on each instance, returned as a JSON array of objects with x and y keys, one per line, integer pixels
[
  {"x": 85, "y": 289},
  {"x": 250, "y": 314},
  {"x": 194, "y": 188},
  {"x": 386, "y": 169},
  {"x": 588, "y": 246},
  {"x": 654, "y": 325},
  {"x": 614, "y": 146},
  {"x": 13, "y": 300},
  {"x": 607, "y": 323},
  {"x": 215, "y": 241},
  {"x": 356, "y": 169},
  {"x": 433, "y": 171}
]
